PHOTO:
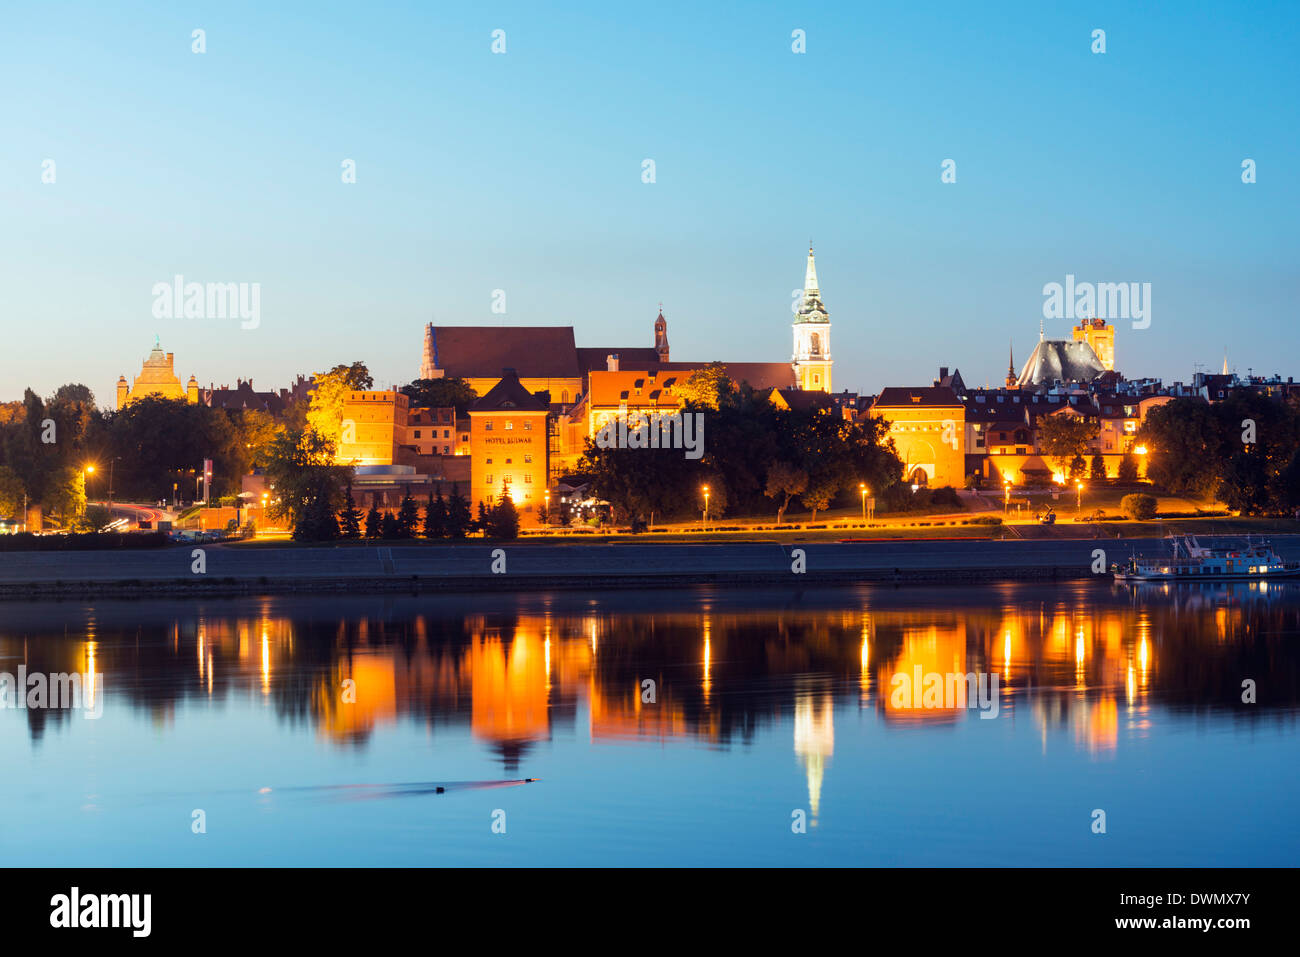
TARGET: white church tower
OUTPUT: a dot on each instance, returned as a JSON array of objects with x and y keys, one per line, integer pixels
[{"x": 812, "y": 336}]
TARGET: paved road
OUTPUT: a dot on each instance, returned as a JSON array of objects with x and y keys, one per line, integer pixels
[{"x": 470, "y": 562}]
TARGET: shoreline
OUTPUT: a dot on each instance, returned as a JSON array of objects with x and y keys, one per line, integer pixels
[{"x": 506, "y": 567}]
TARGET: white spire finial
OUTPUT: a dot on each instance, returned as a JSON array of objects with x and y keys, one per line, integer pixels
[{"x": 810, "y": 276}]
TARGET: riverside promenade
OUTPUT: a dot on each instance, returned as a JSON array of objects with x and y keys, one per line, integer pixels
[{"x": 482, "y": 566}]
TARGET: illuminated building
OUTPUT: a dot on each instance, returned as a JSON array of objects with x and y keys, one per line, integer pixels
[
  {"x": 1100, "y": 337},
  {"x": 812, "y": 336},
  {"x": 157, "y": 378},
  {"x": 509, "y": 446},
  {"x": 928, "y": 426}
]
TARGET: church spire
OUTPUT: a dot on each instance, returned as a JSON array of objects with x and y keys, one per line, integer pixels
[
  {"x": 810, "y": 276},
  {"x": 1011, "y": 364}
]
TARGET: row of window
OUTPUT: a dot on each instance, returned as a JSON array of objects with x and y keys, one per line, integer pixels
[
  {"x": 528, "y": 425},
  {"x": 528, "y": 460},
  {"x": 508, "y": 479}
]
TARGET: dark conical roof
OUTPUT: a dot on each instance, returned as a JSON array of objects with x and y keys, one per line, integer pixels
[{"x": 509, "y": 395}]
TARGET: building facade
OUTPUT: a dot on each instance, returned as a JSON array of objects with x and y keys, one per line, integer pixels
[
  {"x": 157, "y": 377},
  {"x": 509, "y": 447}
]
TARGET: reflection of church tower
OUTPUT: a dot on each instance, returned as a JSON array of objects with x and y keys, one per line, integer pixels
[
  {"x": 661, "y": 335},
  {"x": 812, "y": 336},
  {"x": 814, "y": 742}
]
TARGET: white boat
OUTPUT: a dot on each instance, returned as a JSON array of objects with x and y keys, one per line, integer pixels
[{"x": 1191, "y": 561}]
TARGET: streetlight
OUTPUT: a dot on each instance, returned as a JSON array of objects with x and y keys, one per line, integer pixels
[
  {"x": 704, "y": 520},
  {"x": 1078, "y": 498},
  {"x": 1006, "y": 497},
  {"x": 546, "y": 504}
]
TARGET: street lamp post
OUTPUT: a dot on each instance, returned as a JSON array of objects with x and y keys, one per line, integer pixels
[
  {"x": 863, "y": 488},
  {"x": 90, "y": 470},
  {"x": 1078, "y": 497},
  {"x": 546, "y": 504},
  {"x": 1006, "y": 497},
  {"x": 704, "y": 519}
]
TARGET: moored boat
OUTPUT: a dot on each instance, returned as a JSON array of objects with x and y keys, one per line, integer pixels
[{"x": 1191, "y": 561}]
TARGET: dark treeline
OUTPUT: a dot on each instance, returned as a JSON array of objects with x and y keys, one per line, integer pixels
[
  {"x": 757, "y": 458},
  {"x": 1245, "y": 451}
]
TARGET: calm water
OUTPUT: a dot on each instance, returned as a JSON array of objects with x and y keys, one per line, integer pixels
[{"x": 765, "y": 703}]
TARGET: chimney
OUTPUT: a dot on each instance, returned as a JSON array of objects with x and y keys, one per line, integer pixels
[
  {"x": 943, "y": 373},
  {"x": 611, "y": 362}
]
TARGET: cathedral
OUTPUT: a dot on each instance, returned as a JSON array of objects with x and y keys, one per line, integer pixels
[{"x": 547, "y": 358}]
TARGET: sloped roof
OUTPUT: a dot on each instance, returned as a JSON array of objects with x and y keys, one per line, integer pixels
[
  {"x": 1056, "y": 359},
  {"x": 896, "y": 397},
  {"x": 509, "y": 395},
  {"x": 591, "y": 359},
  {"x": 480, "y": 352}
]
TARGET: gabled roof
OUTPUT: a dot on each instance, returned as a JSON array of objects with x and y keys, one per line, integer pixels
[
  {"x": 509, "y": 395},
  {"x": 481, "y": 352}
]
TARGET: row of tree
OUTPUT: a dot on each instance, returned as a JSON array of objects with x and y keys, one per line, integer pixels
[
  {"x": 756, "y": 456},
  {"x": 1244, "y": 451},
  {"x": 448, "y": 518}
]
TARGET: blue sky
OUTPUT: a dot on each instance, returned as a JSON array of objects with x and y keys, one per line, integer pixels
[{"x": 522, "y": 172}]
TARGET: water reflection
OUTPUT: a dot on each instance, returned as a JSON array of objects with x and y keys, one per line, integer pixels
[{"x": 1086, "y": 660}]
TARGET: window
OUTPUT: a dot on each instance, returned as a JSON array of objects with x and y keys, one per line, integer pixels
[
  {"x": 489, "y": 461},
  {"x": 564, "y": 397},
  {"x": 446, "y": 433},
  {"x": 417, "y": 433},
  {"x": 487, "y": 426},
  {"x": 509, "y": 461},
  {"x": 487, "y": 479},
  {"x": 510, "y": 426},
  {"x": 528, "y": 426},
  {"x": 446, "y": 449},
  {"x": 528, "y": 480},
  {"x": 528, "y": 458}
]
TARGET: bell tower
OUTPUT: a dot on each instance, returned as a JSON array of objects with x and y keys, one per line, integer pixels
[
  {"x": 812, "y": 336},
  {"x": 661, "y": 335}
]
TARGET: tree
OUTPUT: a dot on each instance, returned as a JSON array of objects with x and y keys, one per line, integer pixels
[
  {"x": 408, "y": 516},
  {"x": 503, "y": 519},
  {"x": 1098, "y": 468},
  {"x": 329, "y": 390},
  {"x": 96, "y": 518},
  {"x": 708, "y": 387},
  {"x": 374, "y": 523},
  {"x": 388, "y": 527},
  {"x": 817, "y": 496},
  {"x": 350, "y": 525},
  {"x": 458, "y": 514},
  {"x": 12, "y": 492},
  {"x": 784, "y": 481},
  {"x": 435, "y": 517},
  {"x": 481, "y": 519},
  {"x": 1128, "y": 468},
  {"x": 316, "y": 522},
  {"x": 65, "y": 493},
  {"x": 1139, "y": 506},
  {"x": 440, "y": 394},
  {"x": 306, "y": 483},
  {"x": 1063, "y": 438}
]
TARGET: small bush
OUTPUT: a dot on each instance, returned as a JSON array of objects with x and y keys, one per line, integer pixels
[
  {"x": 986, "y": 520},
  {"x": 1139, "y": 506}
]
